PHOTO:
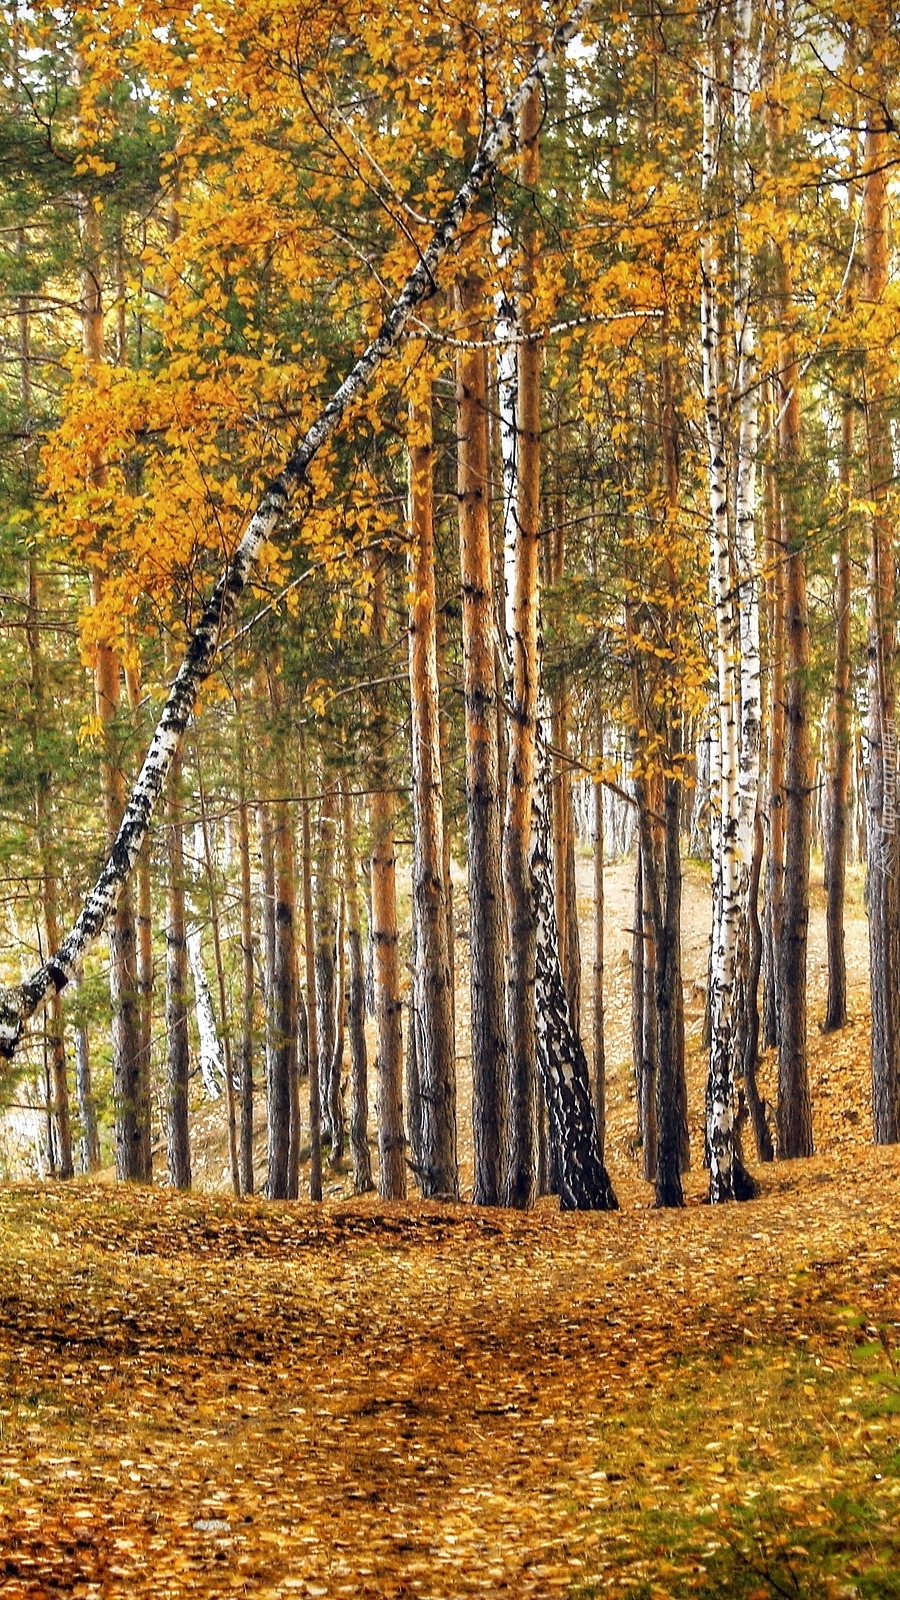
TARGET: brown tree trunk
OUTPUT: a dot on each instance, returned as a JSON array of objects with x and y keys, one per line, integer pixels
[
  {"x": 432, "y": 982},
  {"x": 131, "y": 1142},
  {"x": 842, "y": 753},
  {"x": 178, "y": 1146},
  {"x": 84, "y": 1097},
  {"x": 309, "y": 949},
  {"x": 883, "y": 856},
  {"x": 774, "y": 895},
  {"x": 599, "y": 1078},
  {"x": 488, "y": 1031},
  {"x": 794, "y": 1117},
  {"x": 326, "y": 977},
  {"x": 143, "y": 951},
  {"x": 284, "y": 1111},
  {"x": 248, "y": 989},
  {"x": 385, "y": 938},
  {"x": 356, "y": 1012}
]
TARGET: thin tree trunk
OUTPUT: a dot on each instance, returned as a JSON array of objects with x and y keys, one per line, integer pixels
[
  {"x": 488, "y": 1031},
  {"x": 356, "y": 1013},
  {"x": 794, "y": 1118},
  {"x": 599, "y": 1079},
  {"x": 774, "y": 896},
  {"x": 178, "y": 1145},
  {"x": 522, "y": 627},
  {"x": 385, "y": 938},
  {"x": 842, "y": 752},
  {"x": 248, "y": 988},
  {"x": 143, "y": 953},
  {"x": 432, "y": 980},
  {"x": 883, "y": 855},
  {"x": 326, "y": 976},
  {"x": 221, "y": 986},
  {"x": 309, "y": 948},
  {"x": 84, "y": 1097},
  {"x": 131, "y": 1143}
]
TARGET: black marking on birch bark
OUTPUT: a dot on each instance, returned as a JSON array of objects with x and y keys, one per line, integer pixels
[
  {"x": 584, "y": 1183},
  {"x": 19, "y": 1002}
]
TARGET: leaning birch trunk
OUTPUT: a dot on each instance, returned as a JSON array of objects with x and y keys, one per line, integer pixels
[
  {"x": 19, "y": 1002},
  {"x": 486, "y": 930},
  {"x": 438, "y": 1173},
  {"x": 883, "y": 854}
]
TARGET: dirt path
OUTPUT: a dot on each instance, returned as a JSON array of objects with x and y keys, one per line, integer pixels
[{"x": 206, "y": 1398}]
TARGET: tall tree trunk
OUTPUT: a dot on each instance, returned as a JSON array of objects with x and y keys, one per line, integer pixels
[
  {"x": 777, "y": 630},
  {"x": 794, "y": 1119},
  {"x": 128, "y": 1097},
  {"x": 842, "y": 752},
  {"x": 248, "y": 986},
  {"x": 309, "y": 951},
  {"x": 736, "y": 613},
  {"x": 522, "y": 625},
  {"x": 284, "y": 1111},
  {"x": 221, "y": 986},
  {"x": 599, "y": 1078},
  {"x": 177, "y": 1042},
  {"x": 356, "y": 1011},
  {"x": 432, "y": 980},
  {"x": 326, "y": 976},
  {"x": 580, "y": 1175},
  {"x": 84, "y": 1097},
  {"x": 564, "y": 887},
  {"x": 486, "y": 928},
  {"x": 42, "y": 779},
  {"x": 385, "y": 936},
  {"x": 883, "y": 855},
  {"x": 143, "y": 951}
]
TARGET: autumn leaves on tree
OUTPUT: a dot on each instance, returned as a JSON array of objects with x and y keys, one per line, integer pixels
[{"x": 624, "y": 389}]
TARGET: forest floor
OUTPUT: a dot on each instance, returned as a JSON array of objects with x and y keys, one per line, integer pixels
[{"x": 200, "y": 1396}]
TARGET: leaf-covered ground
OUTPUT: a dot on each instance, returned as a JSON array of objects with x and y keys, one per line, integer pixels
[{"x": 201, "y": 1397}]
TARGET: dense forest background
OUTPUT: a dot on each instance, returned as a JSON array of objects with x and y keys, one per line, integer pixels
[{"x": 601, "y": 558}]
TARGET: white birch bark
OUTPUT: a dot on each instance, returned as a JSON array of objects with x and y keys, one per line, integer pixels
[
  {"x": 508, "y": 332},
  {"x": 734, "y": 585},
  {"x": 19, "y": 1002}
]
